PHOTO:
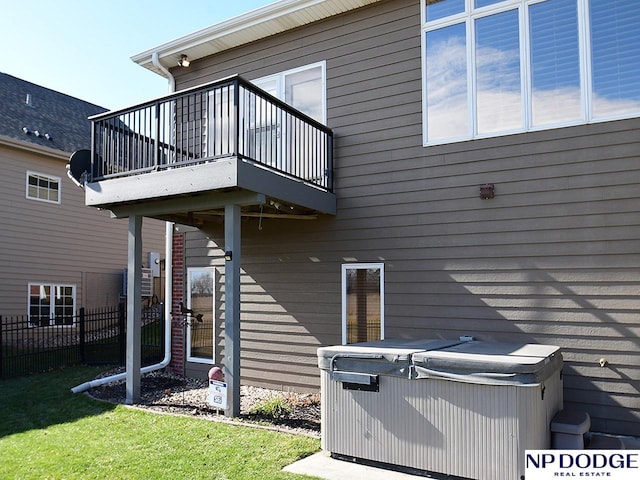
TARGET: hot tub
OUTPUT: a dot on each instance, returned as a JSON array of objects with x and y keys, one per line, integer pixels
[{"x": 468, "y": 409}]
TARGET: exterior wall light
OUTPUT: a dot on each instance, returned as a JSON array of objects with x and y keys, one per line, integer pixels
[{"x": 184, "y": 61}]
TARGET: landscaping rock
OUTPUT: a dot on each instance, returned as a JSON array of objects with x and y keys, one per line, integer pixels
[{"x": 168, "y": 393}]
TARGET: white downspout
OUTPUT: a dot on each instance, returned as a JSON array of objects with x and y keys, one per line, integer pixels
[
  {"x": 168, "y": 290},
  {"x": 166, "y": 73}
]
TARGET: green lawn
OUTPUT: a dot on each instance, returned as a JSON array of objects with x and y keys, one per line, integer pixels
[{"x": 46, "y": 432}]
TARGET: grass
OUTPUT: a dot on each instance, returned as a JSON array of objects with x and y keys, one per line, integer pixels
[
  {"x": 47, "y": 432},
  {"x": 273, "y": 407}
]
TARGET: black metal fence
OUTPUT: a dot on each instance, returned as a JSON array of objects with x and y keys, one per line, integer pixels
[{"x": 96, "y": 337}]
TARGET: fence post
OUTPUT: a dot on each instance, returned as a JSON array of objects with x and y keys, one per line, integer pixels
[
  {"x": 122, "y": 344},
  {"x": 82, "y": 335}
]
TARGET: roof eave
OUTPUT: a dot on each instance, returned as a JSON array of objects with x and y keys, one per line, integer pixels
[
  {"x": 33, "y": 148},
  {"x": 263, "y": 22}
]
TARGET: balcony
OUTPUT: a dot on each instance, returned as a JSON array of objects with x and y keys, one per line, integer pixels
[{"x": 185, "y": 156}]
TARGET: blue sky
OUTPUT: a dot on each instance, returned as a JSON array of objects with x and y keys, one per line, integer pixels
[{"x": 83, "y": 47}]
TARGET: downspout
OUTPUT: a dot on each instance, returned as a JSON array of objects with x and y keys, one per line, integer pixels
[
  {"x": 168, "y": 290},
  {"x": 165, "y": 72},
  {"x": 168, "y": 254}
]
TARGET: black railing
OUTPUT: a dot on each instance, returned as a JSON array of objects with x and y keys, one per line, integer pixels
[
  {"x": 95, "y": 337},
  {"x": 227, "y": 118}
]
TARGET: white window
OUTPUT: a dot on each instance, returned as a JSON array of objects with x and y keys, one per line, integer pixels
[
  {"x": 51, "y": 304},
  {"x": 494, "y": 67},
  {"x": 362, "y": 302},
  {"x": 303, "y": 88},
  {"x": 200, "y": 314},
  {"x": 43, "y": 187},
  {"x": 274, "y": 137},
  {"x": 269, "y": 129},
  {"x": 219, "y": 128}
]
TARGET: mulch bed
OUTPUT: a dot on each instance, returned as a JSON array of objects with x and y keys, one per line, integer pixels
[{"x": 163, "y": 392}]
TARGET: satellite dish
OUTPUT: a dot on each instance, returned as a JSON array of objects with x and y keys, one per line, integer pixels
[{"x": 79, "y": 167}]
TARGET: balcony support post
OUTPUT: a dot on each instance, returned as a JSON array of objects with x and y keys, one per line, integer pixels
[
  {"x": 134, "y": 310},
  {"x": 232, "y": 308}
]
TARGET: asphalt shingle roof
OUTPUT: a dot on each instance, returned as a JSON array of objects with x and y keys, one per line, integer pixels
[{"x": 62, "y": 117}]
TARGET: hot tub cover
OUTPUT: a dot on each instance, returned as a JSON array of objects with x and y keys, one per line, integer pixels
[
  {"x": 381, "y": 357},
  {"x": 489, "y": 363}
]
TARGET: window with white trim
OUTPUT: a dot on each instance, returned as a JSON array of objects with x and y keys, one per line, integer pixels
[
  {"x": 303, "y": 88},
  {"x": 362, "y": 302},
  {"x": 269, "y": 130},
  {"x": 43, "y": 187},
  {"x": 51, "y": 304},
  {"x": 272, "y": 134},
  {"x": 495, "y": 67}
]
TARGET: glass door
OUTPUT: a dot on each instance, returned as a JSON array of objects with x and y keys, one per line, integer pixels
[
  {"x": 200, "y": 314},
  {"x": 275, "y": 137}
]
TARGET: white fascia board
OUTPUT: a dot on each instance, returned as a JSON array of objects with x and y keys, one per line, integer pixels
[
  {"x": 259, "y": 23},
  {"x": 33, "y": 148}
]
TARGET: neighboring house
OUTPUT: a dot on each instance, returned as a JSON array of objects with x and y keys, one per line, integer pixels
[
  {"x": 481, "y": 177},
  {"x": 57, "y": 255}
]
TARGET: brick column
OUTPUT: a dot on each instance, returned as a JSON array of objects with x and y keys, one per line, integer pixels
[{"x": 178, "y": 357}]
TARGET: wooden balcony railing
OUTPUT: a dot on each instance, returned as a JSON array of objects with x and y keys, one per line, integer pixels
[{"x": 226, "y": 118}]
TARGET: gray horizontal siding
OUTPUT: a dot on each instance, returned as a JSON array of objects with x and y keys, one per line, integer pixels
[
  {"x": 59, "y": 243},
  {"x": 277, "y": 349},
  {"x": 553, "y": 258}
]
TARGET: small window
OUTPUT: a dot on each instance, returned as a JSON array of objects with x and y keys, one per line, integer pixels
[
  {"x": 43, "y": 187},
  {"x": 51, "y": 304},
  {"x": 362, "y": 302}
]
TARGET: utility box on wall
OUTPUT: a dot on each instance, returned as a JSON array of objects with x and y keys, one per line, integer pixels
[
  {"x": 154, "y": 263},
  {"x": 146, "y": 285}
]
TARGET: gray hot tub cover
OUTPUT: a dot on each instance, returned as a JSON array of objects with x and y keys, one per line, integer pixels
[
  {"x": 383, "y": 357},
  {"x": 488, "y": 363}
]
